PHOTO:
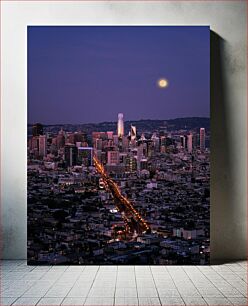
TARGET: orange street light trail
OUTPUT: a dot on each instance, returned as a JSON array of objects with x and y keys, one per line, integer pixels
[{"x": 137, "y": 223}]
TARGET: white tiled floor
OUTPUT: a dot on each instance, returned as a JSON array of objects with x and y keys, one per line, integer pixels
[{"x": 123, "y": 285}]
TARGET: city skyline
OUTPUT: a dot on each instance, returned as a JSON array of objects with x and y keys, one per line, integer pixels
[
  {"x": 115, "y": 197},
  {"x": 88, "y": 74},
  {"x": 127, "y": 120}
]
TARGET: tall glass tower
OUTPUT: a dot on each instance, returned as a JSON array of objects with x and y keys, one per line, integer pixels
[
  {"x": 202, "y": 139},
  {"x": 120, "y": 125}
]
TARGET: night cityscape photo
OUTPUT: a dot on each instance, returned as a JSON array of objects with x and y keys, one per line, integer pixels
[{"x": 118, "y": 148}]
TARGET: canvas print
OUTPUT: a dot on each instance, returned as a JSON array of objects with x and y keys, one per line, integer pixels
[{"x": 118, "y": 149}]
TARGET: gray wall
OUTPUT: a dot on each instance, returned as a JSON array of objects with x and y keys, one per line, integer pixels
[{"x": 227, "y": 20}]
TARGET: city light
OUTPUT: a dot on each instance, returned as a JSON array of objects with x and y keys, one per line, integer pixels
[
  {"x": 116, "y": 193},
  {"x": 141, "y": 190}
]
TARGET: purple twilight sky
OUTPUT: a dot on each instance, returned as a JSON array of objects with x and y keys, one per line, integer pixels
[{"x": 87, "y": 74}]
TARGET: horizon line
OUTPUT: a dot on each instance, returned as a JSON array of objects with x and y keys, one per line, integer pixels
[{"x": 46, "y": 124}]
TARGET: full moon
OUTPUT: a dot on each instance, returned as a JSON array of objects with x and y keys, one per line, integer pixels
[{"x": 162, "y": 83}]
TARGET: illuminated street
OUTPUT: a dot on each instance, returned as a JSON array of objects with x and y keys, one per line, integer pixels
[{"x": 139, "y": 225}]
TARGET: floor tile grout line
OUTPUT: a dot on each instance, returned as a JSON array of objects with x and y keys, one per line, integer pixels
[
  {"x": 98, "y": 268},
  {"x": 38, "y": 301},
  {"x": 44, "y": 293},
  {"x": 155, "y": 286},
  {"x": 230, "y": 283},
  {"x": 236, "y": 304},
  {"x": 194, "y": 284},
  {"x": 115, "y": 283},
  {"x": 48, "y": 288},
  {"x": 14, "y": 301},
  {"x": 20, "y": 305},
  {"x": 136, "y": 286},
  {"x": 25, "y": 291},
  {"x": 237, "y": 273},
  {"x": 217, "y": 272},
  {"x": 211, "y": 282},
  {"x": 81, "y": 272},
  {"x": 175, "y": 284}
]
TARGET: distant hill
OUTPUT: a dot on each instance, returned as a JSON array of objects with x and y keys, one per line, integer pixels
[{"x": 144, "y": 125}]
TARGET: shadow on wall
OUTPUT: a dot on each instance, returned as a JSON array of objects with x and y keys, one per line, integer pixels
[{"x": 226, "y": 242}]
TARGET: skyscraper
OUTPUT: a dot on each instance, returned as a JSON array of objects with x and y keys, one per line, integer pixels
[
  {"x": 120, "y": 125},
  {"x": 113, "y": 157},
  {"x": 37, "y": 129},
  {"x": 190, "y": 142},
  {"x": 155, "y": 142},
  {"x": 42, "y": 145},
  {"x": 139, "y": 155},
  {"x": 183, "y": 141},
  {"x": 116, "y": 139},
  {"x": 202, "y": 139},
  {"x": 85, "y": 156},
  {"x": 98, "y": 144},
  {"x": 143, "y": 137},
  {"x": 61, "y": 139},
  {"x": 131, "y": 163},
  {"x": 125, "y": 143},
  {"x": 110, "y": 135},
  {"x": 133, "y": 132},
  {"x": 71, "y": 155}
]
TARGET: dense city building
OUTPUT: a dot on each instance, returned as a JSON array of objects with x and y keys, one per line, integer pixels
[
  {"x": 85, "y": 156},
  {"x": 103, "y": 197},
  {"x": 37, "y": 129},
  {"x": 70, "y": 155}
]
